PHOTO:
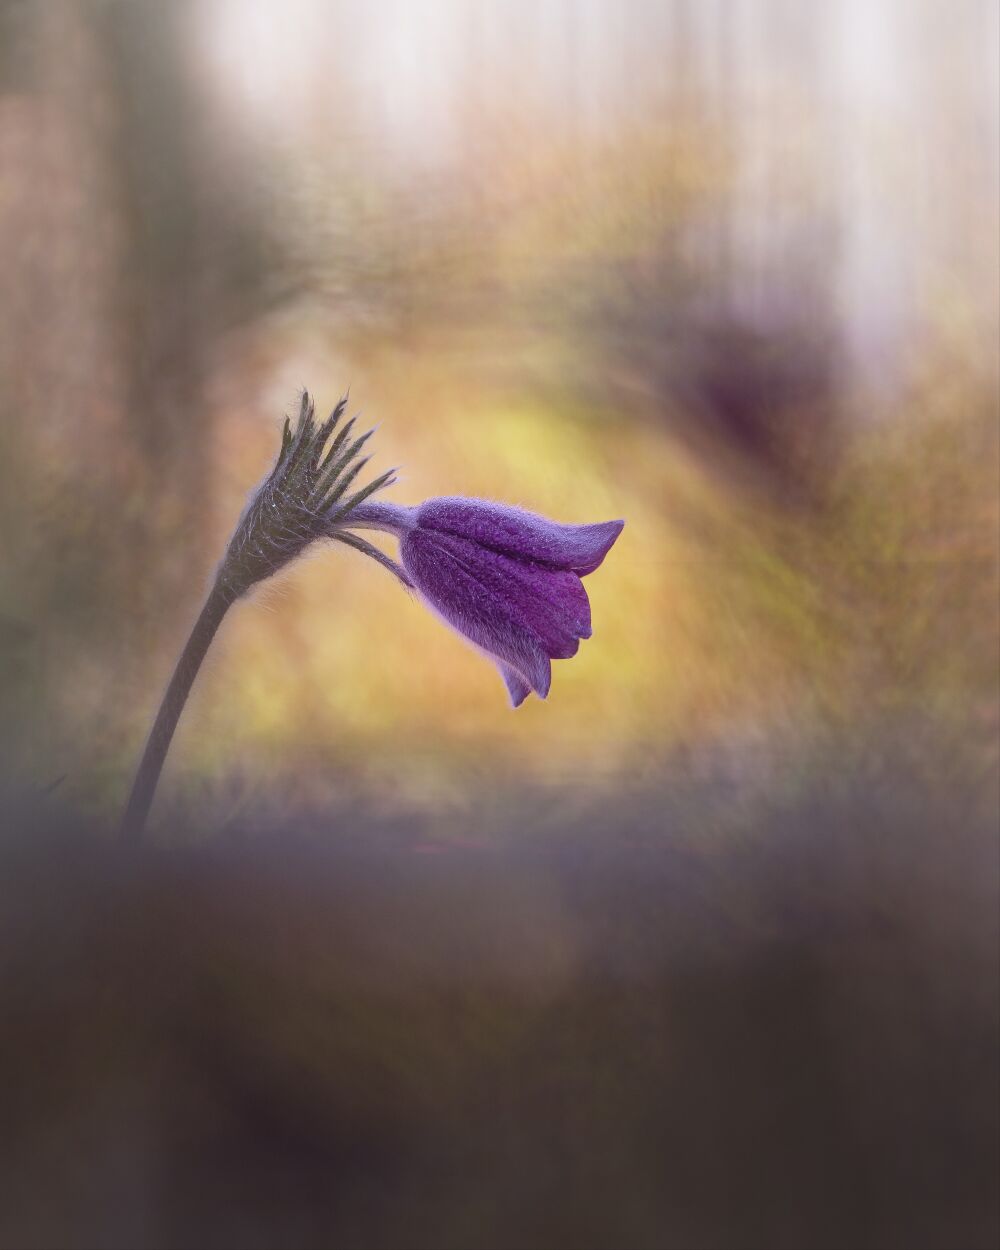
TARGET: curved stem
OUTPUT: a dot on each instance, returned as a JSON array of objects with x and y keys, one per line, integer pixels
[
  {"x": 378, "y": 514},
  {"x": 157, "y": 744}
]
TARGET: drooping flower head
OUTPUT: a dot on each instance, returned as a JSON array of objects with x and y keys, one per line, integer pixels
[{"x": 507, "y": 580}]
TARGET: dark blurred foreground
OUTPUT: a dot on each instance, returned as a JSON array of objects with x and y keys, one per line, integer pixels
[{"x": 628, "y": 1026}]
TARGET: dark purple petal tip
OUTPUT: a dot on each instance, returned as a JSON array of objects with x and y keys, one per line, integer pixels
[{"x": 517, "y": 687}]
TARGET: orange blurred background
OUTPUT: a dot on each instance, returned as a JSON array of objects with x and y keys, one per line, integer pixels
[
  {"x": 726, "y": 270},
  {"x": 701, "y": 951}
]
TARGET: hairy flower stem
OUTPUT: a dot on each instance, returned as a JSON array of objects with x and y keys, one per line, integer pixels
[
  {"x": 304, "y": 498},
  {"x": 158, "y": 743}
]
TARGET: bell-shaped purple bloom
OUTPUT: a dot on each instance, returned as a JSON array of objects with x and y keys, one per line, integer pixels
[{"x": 506, "y": 579}]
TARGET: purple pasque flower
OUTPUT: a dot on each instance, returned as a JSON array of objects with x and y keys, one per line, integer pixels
[{"x": 507, "y": 580}]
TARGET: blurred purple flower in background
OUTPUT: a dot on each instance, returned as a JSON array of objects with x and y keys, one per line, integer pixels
[{"x": 507, "y": 580}]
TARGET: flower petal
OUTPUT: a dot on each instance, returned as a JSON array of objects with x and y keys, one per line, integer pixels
[
  {"x": 517, "y": 687},
  {"x": 474, "y": 607},
  {"x": 551, "y": 603},
  {"x": 520, "y": 534},
  {"x": 597, "y": 540}
]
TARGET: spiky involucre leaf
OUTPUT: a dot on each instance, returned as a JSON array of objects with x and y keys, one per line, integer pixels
[
  {"x": 329, "y": 475},
  {"x": 286, "y": 440},
  {"x": 337, "y": 443},
  {"x": 369, "y": 549},
  {"x": 387, "y": 479},
  {"x": 292, "y": 506},
  {"x": 341, "y": 484},
  {"x": 326, "y": 429}
]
